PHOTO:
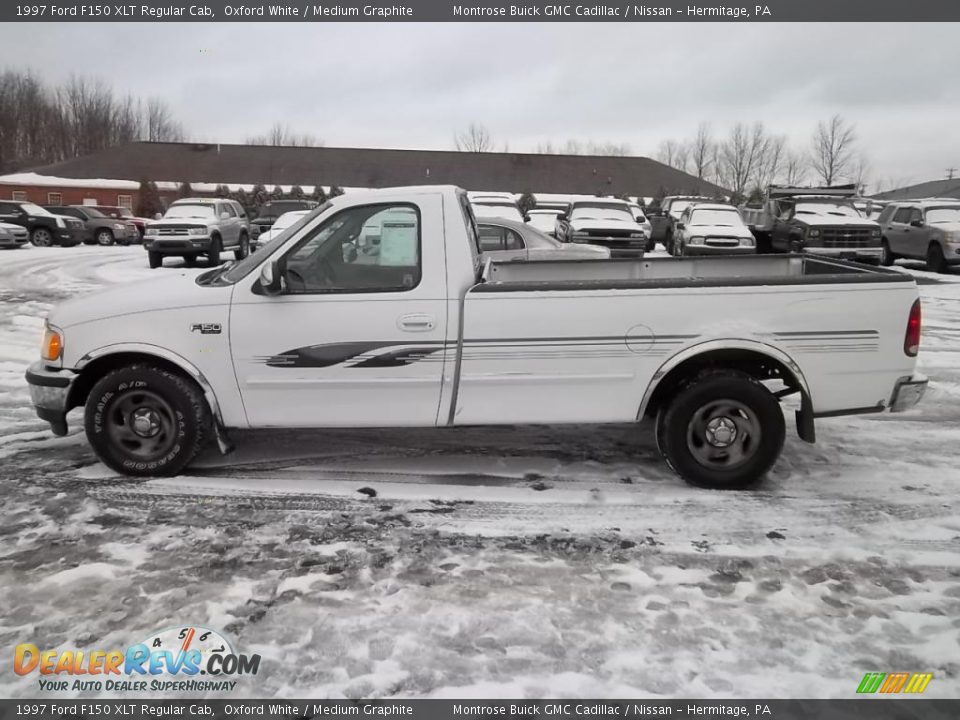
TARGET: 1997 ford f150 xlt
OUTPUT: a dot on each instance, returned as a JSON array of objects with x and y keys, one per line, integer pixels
[{"x": 311, "y": 332}]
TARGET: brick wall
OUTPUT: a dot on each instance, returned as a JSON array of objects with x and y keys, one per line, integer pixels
[{"x": 76, "y": 196}]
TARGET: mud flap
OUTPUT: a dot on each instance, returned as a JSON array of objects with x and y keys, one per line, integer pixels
[{"x": 805, "y": 424}]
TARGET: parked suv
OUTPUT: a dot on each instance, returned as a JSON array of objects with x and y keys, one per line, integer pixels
[
  {"x": 925, "y": 229},
  {"x": 198, "y": 226},
  {"x": 125, "y": 215},
  {"x": 45, "y": 228},
  {"x": 603, "y": 221},
  {"x": 100, "y": 229}
]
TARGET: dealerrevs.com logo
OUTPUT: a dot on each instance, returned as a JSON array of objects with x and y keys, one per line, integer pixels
[{"x": 178, "y": 659}]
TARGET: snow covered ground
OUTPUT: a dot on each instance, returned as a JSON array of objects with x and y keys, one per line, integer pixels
[{"x": 508, "y": 562}]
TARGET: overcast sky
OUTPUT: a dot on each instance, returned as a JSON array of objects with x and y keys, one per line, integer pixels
[{"x": 413, "y": 85}]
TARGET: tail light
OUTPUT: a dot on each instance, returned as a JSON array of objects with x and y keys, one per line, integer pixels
[{"x": 911, "y": 341}]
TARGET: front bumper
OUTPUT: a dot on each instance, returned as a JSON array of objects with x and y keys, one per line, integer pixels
[
  {"x": 11, "y": 241},
  {"x": 907, "y": 392},
  {"x": 861, "y": 253},
  {"x": 49, "y": 393},
  {"x": 719, "y": 249},
  {"x": 618, "y": 246},
  {"x": 176, "y": 246},
  {"x": 67, "y": 236}
]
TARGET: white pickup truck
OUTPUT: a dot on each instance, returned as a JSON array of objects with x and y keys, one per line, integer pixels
[{"x": 310, "y": 332}]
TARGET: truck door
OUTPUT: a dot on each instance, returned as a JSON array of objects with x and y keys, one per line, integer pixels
[{"x": 358, "y": 338}]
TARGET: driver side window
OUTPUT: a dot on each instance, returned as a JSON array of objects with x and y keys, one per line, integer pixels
[{"x": 373, "y": 248}]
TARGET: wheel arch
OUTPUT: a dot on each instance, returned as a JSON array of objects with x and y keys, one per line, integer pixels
[
  {"x": 97, "y": 363},
  {"x": 759, "y": 360}
]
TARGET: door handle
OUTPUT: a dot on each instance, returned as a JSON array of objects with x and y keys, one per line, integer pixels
[{"x": 416, "y": 322}]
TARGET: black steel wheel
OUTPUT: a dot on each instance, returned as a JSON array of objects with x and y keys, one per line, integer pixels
[
  {"x": 723, "y": 430},
  {"x": 143, "y": 420}
]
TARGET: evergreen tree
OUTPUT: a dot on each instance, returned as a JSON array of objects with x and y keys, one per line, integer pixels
[
  {"x": 241, "y": 197},
  {"x": 277, "y": 193},
  {"x": 296, "y": 193},
  {"x": 334, "y": 191},
  {"x": 184, "y": 191},
  {"x": 319, "y": 194},
  {"x": 148, "y": 200},
  {"x": 527, "y": 202},
  {"x": 259, "y": 195},
  {"x": 222, "y": 191}
]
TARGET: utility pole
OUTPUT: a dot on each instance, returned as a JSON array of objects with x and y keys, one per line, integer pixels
[{"x": 950, "y": 172}]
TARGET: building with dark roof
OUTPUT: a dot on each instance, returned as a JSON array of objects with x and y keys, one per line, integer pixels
[
  {"x": 112, "y": 172},
  {"x": 935, "y": 188}
]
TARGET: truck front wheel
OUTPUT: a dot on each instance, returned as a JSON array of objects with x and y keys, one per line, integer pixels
[
  {"x": 143, "y": 420},
  {"x": 724, "y": 430}
]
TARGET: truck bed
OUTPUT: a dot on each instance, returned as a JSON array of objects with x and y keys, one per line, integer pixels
[{"x": 680, "y": 272}]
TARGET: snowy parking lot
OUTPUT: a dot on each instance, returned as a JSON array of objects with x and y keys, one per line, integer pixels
[{"x": 508, "y": 562}]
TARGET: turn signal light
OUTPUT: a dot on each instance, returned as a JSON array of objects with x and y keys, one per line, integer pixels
[
  {"x": 911, "y": 341},
  {"x": 52, "y": 344}
]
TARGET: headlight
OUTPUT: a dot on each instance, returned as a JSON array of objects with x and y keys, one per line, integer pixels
[
  {"x": 951, "y": 237},
  {"x": 198, "y": 231},
  {"x": 118, "y": 226},
  {"x": 746, "y": 242},
  {"x": 61, "y": 223},
  {"x": 696, "y": 240},
  {"x": 52, "y": 346},
  {"x": 813, "y": 232},
  {"x": 151, "y": 232},
  {"x": 875, "y": 232},
  {"x": 636, "y": 235}
]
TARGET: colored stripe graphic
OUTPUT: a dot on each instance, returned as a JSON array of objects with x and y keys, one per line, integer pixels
[
  {"x": 892, "y": 683},
  {"x": 870, "y": 682}
]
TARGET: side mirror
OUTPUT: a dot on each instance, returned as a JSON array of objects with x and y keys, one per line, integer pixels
[
  {"x": 680, "y": 226},
  {"x": 916, "y": 223},
  {"x": 271, "y": 279},
  {"x": 526, "y": 217},
  {"x": 562, "y": 216}
]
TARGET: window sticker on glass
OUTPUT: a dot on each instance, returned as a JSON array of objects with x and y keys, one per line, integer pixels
[{"x": 398, "y": 243}]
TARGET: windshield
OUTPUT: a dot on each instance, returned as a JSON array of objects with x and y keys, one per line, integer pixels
[
  {"x": 93, "y": 212},
  {"x": 943, "y": 215},
  {"x": 497, "y": 211},
  {"x": 677, "y": 208},
  {"x": 721, "y": 218},
  {"x": 32, "y": 209},
  {"x": 241, "y": 269},
  {"x": 201, "y": 212},
  {"x": 601, "y": 212},
  {"x": 827, "y": 208}
]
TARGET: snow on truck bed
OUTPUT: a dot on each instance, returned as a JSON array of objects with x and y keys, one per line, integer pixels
[{"x": 510, "y": 562}]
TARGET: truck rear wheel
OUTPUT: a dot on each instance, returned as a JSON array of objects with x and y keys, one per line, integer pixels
[
  {"x": 155, "y": 259},
  {"x": 142, "y": 420},
  {"x": 724, "y": 430},
  {"x": 935, "y": 260}
]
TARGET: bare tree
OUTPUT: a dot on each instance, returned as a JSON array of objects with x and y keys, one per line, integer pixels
[
  {"x": 281, "y": 135},
  {"x": 795, "y": 168},
  {"x": 860, "y": 174},
  {"x": 832, "y": 151},
  {"x": 741, "y": 157},
  {"x": 770, "y": 162},
  {"x": 667, "y": 152},
  {"x": 159, "y": 123},
  {"x": 476, "y": 138},
  {"x": 701, "y": 151}
]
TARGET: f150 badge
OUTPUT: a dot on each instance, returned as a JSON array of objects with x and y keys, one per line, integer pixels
[{"x": 206, "y": 328}]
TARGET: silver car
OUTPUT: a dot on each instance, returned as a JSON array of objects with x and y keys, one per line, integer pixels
[
  {"x": 504, "y": 239},
  {"x": 12, "y": 236}
]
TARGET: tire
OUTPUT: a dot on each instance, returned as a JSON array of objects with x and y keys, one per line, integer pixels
[
  {"x": 41, "y": 237},
  {"x": 935, "y": 260},
  {"x": 888, "y": 257},
  {"x": 104, "y": 237},
  {"x": 213, "y": 255},
  {"x": 715, "y": 402},
  {"x": 145, "y": 421},
  {"x": 241, "y": 252},
  {"x": 190, "y": 260},
  {"x": 155, "y": 259}
]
